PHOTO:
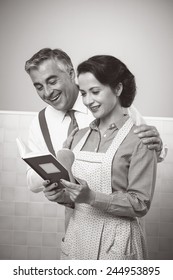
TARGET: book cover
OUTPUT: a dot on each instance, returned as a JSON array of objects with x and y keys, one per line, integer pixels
[{"x": 46, "y": 165}]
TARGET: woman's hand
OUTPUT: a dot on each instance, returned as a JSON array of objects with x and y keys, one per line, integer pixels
[
  {"x": 52, "y": 192},
  {"x": 79, "y": 193}
]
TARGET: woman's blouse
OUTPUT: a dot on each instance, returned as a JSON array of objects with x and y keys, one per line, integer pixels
[{"x": 133, "y": 171}]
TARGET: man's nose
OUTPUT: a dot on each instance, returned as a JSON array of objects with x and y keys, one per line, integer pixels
[{"x": 47, "y": 91}]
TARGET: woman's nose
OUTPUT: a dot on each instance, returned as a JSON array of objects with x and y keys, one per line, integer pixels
[{"x": 88, "y": 100}]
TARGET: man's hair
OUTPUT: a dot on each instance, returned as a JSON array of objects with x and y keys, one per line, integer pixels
[
  {"x": 110, "y": 71},
  {"x": 45, "y": 54}
]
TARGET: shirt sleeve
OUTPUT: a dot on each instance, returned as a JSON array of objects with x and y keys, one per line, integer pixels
[
  {"x": 136, "y": 200},
  {"x": 135, "y": 115}
]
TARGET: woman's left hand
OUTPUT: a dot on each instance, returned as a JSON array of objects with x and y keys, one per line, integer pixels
[{"x": 79, "y": 193}]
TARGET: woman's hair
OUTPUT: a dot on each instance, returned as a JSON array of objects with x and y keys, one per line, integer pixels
[
  {"x": 44, "y": 54},
  {"x": 110, "y": 71}
]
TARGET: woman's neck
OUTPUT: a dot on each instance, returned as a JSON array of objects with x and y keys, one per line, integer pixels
[{"x": 107, "y": 121}]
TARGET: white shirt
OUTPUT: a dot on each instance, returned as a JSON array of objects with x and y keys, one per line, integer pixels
[{"x": 58, "y": 124}]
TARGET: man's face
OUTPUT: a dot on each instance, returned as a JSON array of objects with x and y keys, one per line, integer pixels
[{"x": 54, "y": 85}]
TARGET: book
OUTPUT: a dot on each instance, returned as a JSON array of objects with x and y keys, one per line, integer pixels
[{"x": 47, "y": 165}]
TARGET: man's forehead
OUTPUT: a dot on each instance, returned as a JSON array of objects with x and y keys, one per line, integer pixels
[{"x": 50, "y": 66}]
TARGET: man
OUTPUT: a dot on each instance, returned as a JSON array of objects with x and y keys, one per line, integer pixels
[{"x": 53, "y": 76}]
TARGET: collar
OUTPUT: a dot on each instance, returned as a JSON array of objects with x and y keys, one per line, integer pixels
[
  {"x": 78, "y": 106},
  {"x": 94, "y": 125}
]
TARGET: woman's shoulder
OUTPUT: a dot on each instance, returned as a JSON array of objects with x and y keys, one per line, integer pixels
[{"x": 136, "y": 143}]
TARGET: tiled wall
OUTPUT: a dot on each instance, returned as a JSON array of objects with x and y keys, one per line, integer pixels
[
  {"x": 159, "y": 220},
  {"x": 31, "y": 227}
]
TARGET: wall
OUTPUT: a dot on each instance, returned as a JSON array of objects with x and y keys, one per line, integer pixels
[
  {"x": 136, "y": 31},
  {"x": 32, "y": 227}
]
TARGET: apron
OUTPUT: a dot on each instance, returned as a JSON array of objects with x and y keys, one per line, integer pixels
[{"x": 92, "y": 233}]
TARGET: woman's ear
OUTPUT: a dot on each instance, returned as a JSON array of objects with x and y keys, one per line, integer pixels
[{"x": 119, "y": 89}]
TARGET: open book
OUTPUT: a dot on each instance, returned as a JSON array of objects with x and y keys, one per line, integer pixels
[{"x": 46, "y": 165}]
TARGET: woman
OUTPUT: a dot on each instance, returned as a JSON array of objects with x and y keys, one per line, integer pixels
[{"x": 115, "y": 169}]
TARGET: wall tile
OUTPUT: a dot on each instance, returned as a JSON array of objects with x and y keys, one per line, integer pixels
[
  {"x": 10, "y": 135},
  {"x": 25, "y": 121},
  {"x": 50, "y": 225},
  {"x": 50, "y": 209},
  {"x": 1, "y": 149},
  {"x": 152, "y": 229},
  {"x": 5, "y": 252},
  {"x": 169, "y": 157},
  {"x": 36, "y": 209},
  {"x": 49, "y": 239},
  {"x": 153, "y": 215},
  {"x": 167, "y": 186},
  {"x": 60, "y": 225},
  {"x": 20, "y": 223},
  {"x": 21, "y": 209},
  {"x": 167, "y": 139},
  {"x": 165, "y": 256},
  {"x": 6, "y": 237},
  {"x": 166, "y": 230},
  {"x": 34, "y": 238},
  {"x": 1, "y": 160},
  {"x": 21, "y": 194},
  {"x": 9, "y": 150},
  {"x": 7, "y": 178},
  {"x": 20, "y": 238},
  {"x": 35, "y": 224},
  {"x": 6, "y": 223},
  {"x": 166, "y": 244},
  {"x": 9, "y": 164},
  {"x": 1, "y": 134},
  {"x": 166, "y": 215},
  {"x": 21, "y": 180},
  {"x": 7, "y": 208},
  {"x": 156, "y": 200},
  {"x": 19, "y": 252},
  {"x": 153, "y": 244},
  {"x": 49, "y": 253},
  {"x": 7, "y": 194},
  {"x": 60, "y": 236},
  {"x": 167, "y": 171},
  {"x": 34, "y": 253},
  {"x": 168, "y": 127},
  {"x": 167, "y": 200},
  {"x": 21, "y": 166},
  {"x": 153, "y": 256},
  {"x": 10, "y": 120}
]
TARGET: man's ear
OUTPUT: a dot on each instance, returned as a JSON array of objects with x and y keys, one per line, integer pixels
[
  {"x": 119, "y": 89},
  {"x": 72, "y": 74}
]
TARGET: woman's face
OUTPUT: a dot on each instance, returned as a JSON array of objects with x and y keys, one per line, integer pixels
[{"x": 101, "y": 100}]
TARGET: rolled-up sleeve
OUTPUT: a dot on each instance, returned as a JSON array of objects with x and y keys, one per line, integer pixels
[{"x": 136, "y": 199}]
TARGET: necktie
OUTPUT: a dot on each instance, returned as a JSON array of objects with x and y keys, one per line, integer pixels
[{"x": 73, "y": 123}]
